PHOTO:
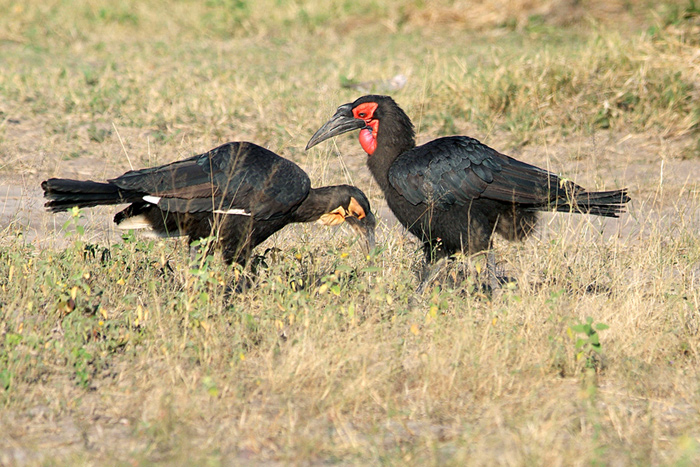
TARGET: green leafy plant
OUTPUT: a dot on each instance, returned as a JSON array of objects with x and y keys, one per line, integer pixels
[
  {"x": 82, "y": 364},
  {"x": 5, "y": 379},
  {"x": 588, "y": 346},
  {"x": 78, "y": 229}
]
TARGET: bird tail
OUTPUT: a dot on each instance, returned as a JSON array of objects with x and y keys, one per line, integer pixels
[
  {"x": 64, "y": 194},
  {"x": 599, "y": 203}
]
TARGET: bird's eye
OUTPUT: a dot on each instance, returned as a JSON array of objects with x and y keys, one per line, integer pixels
[{"x": 362, "y": 114}]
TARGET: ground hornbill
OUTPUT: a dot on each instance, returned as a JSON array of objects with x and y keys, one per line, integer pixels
[
  {"x": 239, "y": 192},
  {"x": 454, "y": 192}
]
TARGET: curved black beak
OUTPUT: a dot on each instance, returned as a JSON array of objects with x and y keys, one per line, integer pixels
[
  {"x": 342, "y": 122},
  {"x": 365, "y": 228}
]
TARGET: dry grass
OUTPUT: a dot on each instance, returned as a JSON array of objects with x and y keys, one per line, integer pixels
[{"x": 133, "y": 357}]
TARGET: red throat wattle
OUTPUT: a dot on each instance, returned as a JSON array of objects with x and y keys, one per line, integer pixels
[
  {"x": 368, "y": 136},
  {"x": 368, "y": 141}
]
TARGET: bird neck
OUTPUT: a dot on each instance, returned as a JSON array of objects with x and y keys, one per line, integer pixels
[
  {"x": 395, "y": 136},
  {"x": 318, "y": 202}
]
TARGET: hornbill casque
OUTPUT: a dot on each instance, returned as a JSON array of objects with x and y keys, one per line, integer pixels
[
  {"x": 454, "y": 193},
  {"x": 239, "y": 192}
]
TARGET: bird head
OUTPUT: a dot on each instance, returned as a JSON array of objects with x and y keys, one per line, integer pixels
[
  {"x": 365, "y": 114},
  {"x": 348, "y": 204}
]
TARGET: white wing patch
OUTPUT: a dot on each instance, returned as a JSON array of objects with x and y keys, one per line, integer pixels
[
  {"x": 151, "y": 199},
  {"x": 236, "y": 211}
]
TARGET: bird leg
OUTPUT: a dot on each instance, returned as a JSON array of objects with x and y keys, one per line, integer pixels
[
  {"x": 241, "y": 283},
  {"x": 494, "y": 283},
  {"x": 432, "y": 273},
  {"x": 194, "y": 252}
]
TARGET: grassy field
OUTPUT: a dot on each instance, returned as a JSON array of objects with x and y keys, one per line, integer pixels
[{"x": 115, "y": 349}]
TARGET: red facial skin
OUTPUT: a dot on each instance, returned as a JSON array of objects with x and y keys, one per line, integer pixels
[{"x": 368, "y": 136}]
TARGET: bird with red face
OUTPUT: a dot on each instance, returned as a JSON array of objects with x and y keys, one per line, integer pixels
[{"x": 454, "y": 193}]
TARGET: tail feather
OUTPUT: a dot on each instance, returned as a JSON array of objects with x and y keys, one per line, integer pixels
[
  {"x": 599, "y": 203},
  {"x": 63, "y": 194}
]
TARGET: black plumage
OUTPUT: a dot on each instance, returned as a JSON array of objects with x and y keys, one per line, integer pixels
[
  {"x": 239, "y": 192},
  {"x": 454, "y": 193}
]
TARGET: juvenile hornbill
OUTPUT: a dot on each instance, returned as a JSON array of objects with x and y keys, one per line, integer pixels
[
  {"x": 240, "y": 192},
  {"x": 454, "y": 192}
]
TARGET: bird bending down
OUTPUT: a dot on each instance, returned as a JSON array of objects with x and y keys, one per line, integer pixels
[
  {"x": 454, "y": 193},
  {"x": 239, "y": 192}
]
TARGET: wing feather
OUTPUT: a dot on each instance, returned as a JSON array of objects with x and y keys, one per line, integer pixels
[
  {"x": 232, "y": 176},
  {"x": 458, "y": 169}
]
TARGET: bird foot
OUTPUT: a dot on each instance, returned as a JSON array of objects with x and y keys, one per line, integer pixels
[
  {"x": 492, "y": 284},
  {"x": 241, "y": 283},
  {"x": 431, "y": 274}
]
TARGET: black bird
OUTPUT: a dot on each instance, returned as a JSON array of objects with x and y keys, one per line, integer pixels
[
  {"x": 454, "y": 192},
  {"x": 239, "y": 192}
]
